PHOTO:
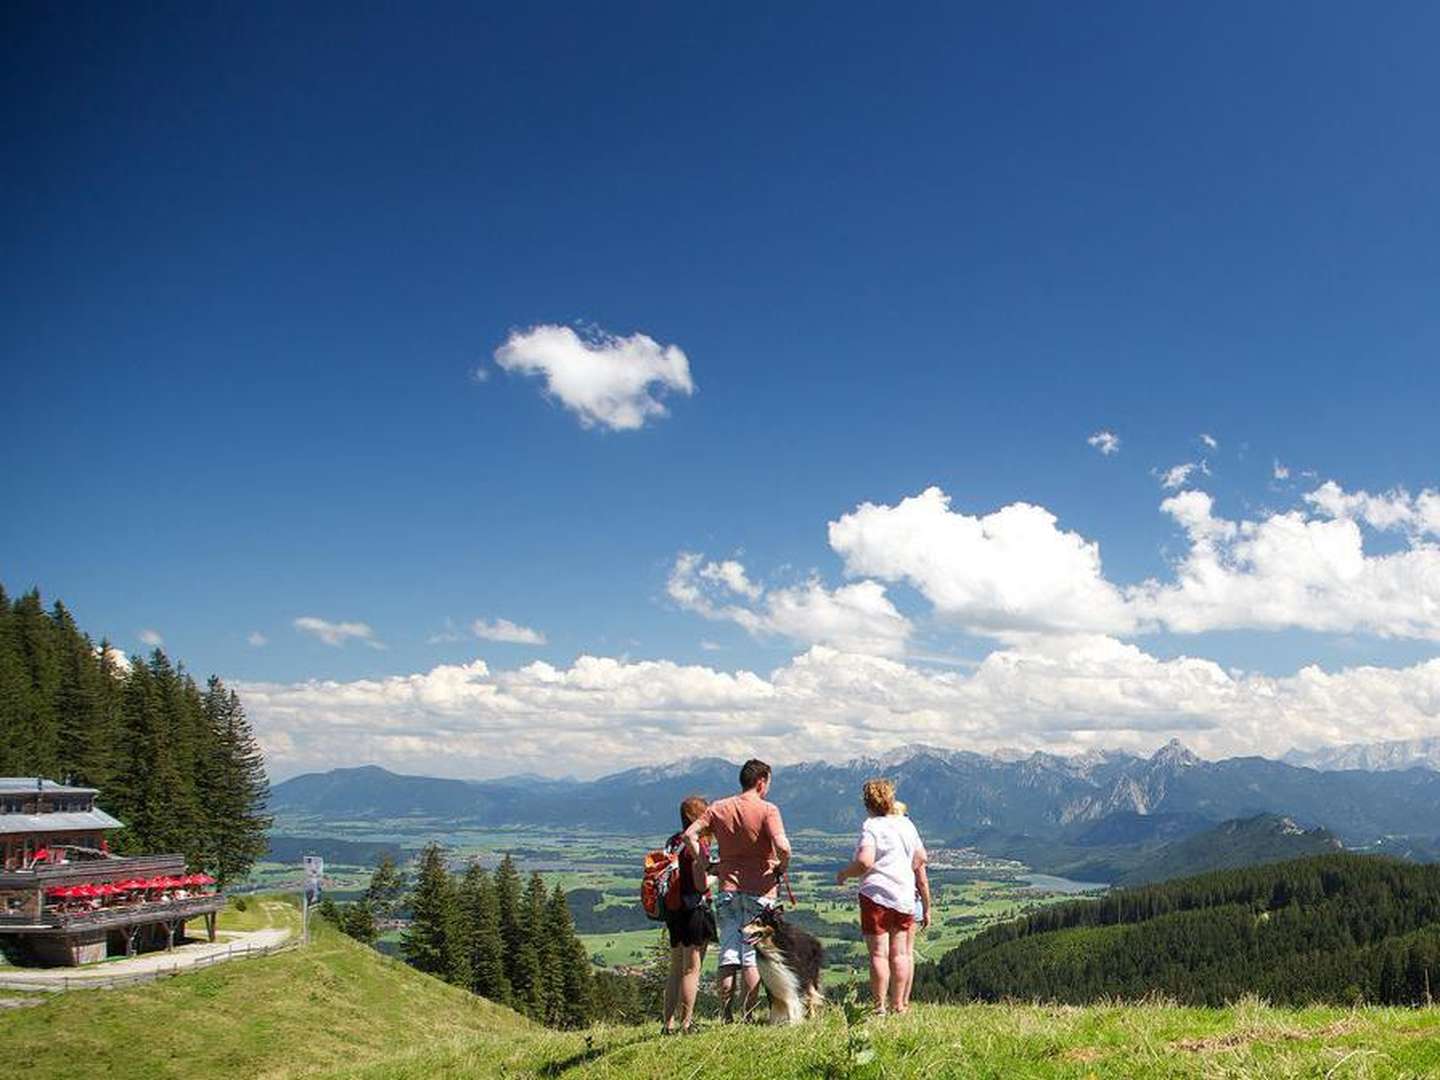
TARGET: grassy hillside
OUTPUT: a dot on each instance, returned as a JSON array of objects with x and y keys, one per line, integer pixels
[
  {"x": 330, "y": 1005},
  {"x": 337, "y": 1009}
]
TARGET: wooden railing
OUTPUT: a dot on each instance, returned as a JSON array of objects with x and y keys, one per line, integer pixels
[
  {"x": 105, "y": 918},
  {"x": 97, "y": 871}
]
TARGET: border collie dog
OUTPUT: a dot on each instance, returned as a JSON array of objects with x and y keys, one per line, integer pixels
[{"x": 789, "y": 960}]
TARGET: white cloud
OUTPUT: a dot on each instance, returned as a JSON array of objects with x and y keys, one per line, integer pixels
[
  {"x": 257, "y": 639},
  {"x": 151, "y": 638},
  {"x": 120, "y": 663},
  {"x": 1012, "y": 571},
  {"x": 1064, "y": 694},
  {"x": 1107, "y": 442},
  {"x": 337, "y": 633},
  {"x": 1279, "y": 472},
  {"x": 1395, "y": 509},
  {"x": 1211, "y": 443},
  {"x": 506, "y": 631},
  {"x": 857, "y": 617},
  {"x": 607, "y": 381},
  {"x": 1288, "y": 570},
  {"x": 1177, "y": 476},
  {"x": 447, "y": 636},
  {"x": 711, "y": 646}
]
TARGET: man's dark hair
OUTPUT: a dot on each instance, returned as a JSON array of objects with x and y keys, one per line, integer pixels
[{"x": 752, "y": 772}]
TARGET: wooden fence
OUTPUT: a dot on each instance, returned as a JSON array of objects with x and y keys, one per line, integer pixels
[{"x": 58, "y": 982}]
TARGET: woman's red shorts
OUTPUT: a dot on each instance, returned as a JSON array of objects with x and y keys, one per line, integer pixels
[{"x": 879, "y": 919}]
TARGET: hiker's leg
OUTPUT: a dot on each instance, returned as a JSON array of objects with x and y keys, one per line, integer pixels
[
  {"x": 725, "y": 990},
  {"x": 879, "y": 948},
  {"x": 900, "y": 972},
  {"x": 751, "y": 978},
  {"x": 672, "y": 985},
  {"x": 690, "y": 983}
]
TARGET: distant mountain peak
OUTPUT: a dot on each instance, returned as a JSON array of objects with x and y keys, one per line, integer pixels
[{"x": 1176, "y": 754}]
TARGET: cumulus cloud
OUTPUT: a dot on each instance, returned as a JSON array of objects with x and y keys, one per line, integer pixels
[
  {"x": 1177, "y": 476},
  {"x": 1107, "y": 442},
  {"x": 1394, "y": 509},
  {"x": 1065, "y": 694},
  {"x": 858, "y": 617},
  {"x": 1279, "y": 472},
  {"x": 1290, "y": 570},
  {"x": 337, "y": 633},
  {"x": 606, "y": 380},
  {"x": 1210, "y": 442},
  {"x": 1011, "y": 571},
  {"x": 151, "y": 638},
  {"x": 116, "y": 658},
  {"x": 257, "y": 639},
  {"x": 504, "y": 630}
]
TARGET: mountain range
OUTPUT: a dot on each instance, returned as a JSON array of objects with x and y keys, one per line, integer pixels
[
  {"x": 1375, "y": 757},
  {"x": 1061, "y": 814}
]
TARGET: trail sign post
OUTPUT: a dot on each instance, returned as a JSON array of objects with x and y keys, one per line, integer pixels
[{"x": 314, "y": 872}]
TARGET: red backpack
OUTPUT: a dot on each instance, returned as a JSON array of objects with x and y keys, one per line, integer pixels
[{"x": 660, "y": 889}]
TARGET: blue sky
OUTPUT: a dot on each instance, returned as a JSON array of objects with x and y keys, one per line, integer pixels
[{"x": 255, "y": 258}]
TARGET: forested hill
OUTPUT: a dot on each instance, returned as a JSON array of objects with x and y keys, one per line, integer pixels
[
  {"x": 1336, "y": 928},
  {"x": 1231, "y": 844},
  {"x": 176, "y": 762}
]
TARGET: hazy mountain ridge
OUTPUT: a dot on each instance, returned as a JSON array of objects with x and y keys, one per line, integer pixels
[
  {"x": 1385, "y": 756},
  {"x": 958, "y": 797}
]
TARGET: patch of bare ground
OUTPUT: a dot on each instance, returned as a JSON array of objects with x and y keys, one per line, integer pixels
[{"x": 1251, "y": 1034}]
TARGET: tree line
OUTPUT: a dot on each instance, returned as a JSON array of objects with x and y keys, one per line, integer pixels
[
  {"x": 510, "y": 941},
  {"x": 1334, "y": 928},
  {"x": 177, "y": 763}
]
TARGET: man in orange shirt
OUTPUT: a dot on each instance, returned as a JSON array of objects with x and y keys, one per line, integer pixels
[{"x": 754, "y": 853}]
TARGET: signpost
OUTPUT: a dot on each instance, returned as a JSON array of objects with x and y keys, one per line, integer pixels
[{"x": 314, "y": 872}]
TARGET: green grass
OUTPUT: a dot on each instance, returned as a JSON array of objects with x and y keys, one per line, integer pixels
[
  {"x": 1247, "y": 1041},
  {"x": 331, "y": 1006},
  {"x": 337, "y": 1009}
]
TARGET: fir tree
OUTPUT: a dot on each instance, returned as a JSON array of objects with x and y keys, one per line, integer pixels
[
  {"x": 358, "y": 921},
  {"x": 238, "y": 783},
  {"x": 40, "y": 728},
  {"x": 507, "y": 903},
  {"x": 386, "y": 889},
  {"x": 14, "y": 694},
  {"x": 481, "y": 903},
  {"x": 528, "y": 981},
  {"x": 567, "y": 967},
  {"x": 435, "y": 940}
]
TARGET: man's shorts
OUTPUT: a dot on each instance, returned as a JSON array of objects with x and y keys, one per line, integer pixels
[
  {"x": 733, "y": 910},
  {"x": 879, "y": 919}
]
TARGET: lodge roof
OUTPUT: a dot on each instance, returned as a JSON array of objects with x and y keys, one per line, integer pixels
[
  {"x": 29, "y": 785},
  {"x": 78, "y": 821}
]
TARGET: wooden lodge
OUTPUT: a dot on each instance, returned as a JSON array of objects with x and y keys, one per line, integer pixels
[{"x": 67, "y": 899}]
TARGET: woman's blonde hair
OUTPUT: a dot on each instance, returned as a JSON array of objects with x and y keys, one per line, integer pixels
[{"x": 879, "y": 796}]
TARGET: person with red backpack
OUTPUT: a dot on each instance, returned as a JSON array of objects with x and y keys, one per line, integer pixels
[{"x": 691, "y": 923}]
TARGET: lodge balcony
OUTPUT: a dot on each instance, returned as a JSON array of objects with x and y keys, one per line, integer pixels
[{"x": 116, "y": 917}]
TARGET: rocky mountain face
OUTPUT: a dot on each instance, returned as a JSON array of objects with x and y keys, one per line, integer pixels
[
  {"x": 957, "y": 797},
  {"x": 1373, "y": 757}
]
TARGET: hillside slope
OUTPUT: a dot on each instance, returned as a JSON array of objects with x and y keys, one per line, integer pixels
[
  {"x": 334, "y": 1004},
  {"x": 1336, "y": 928},
  {"x": 1265, "y": 838}
]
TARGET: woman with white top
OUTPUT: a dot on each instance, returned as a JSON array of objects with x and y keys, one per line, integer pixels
[{"x": 887, "y": 859}]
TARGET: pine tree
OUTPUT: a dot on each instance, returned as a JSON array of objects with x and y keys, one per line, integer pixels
[
  {"x": 14, "y": 693},
  {"x": 507, "y": 903},
  {"x": 528, "y": 982},
  {"x": 237, "y": 782},
  {"x": 386, "y": 888},
  {"x": 40, "y": 730},
  {"x": 435, "y": 940},
  {"x": 358, "y": 921},
  {"x": 487, "y": 952},
  {"x": 567, "y": 967}
]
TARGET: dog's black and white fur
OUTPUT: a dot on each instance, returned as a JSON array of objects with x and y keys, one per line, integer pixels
[{"x": 789, "y": 960}]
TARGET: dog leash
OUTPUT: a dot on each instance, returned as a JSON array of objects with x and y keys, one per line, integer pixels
[{"x": 788, "y": 890}]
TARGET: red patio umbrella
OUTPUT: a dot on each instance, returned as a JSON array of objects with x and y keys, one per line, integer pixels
[
  {"x": 204, "y": 879},
  {"x": 58, "y": 892}
]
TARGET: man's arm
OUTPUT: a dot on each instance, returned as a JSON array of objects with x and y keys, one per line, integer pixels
[
  {"x": 780, "y": 843},
  {"x": 691, "y": 835}
]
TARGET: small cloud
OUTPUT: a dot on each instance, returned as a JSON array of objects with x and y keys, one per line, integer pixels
[
  {"x": 507, "y": 631},
  {"x": 1211, "y": 443},
  {"x": 481, "y": 374},
  {"x": 337, "y": 633},
  {"x": 605, "y": 380},
  {"x": 1177, "y": 476},
  {"x": 711, "y": 646},
  {"x": 1280, "y": 472},
  {"x": 1107, "y": 442},
  {"x": 448, "y": 636},
  {"x": 257, "y": 639},
  {"x": 151, "y": 638}
]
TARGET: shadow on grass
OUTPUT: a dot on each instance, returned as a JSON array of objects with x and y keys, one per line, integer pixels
[{"x": 591, "y": 1052}]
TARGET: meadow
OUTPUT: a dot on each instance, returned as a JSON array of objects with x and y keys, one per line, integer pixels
[
  {"x": 337, "y": 1009},
  {"x": 602, "y": 871}
]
